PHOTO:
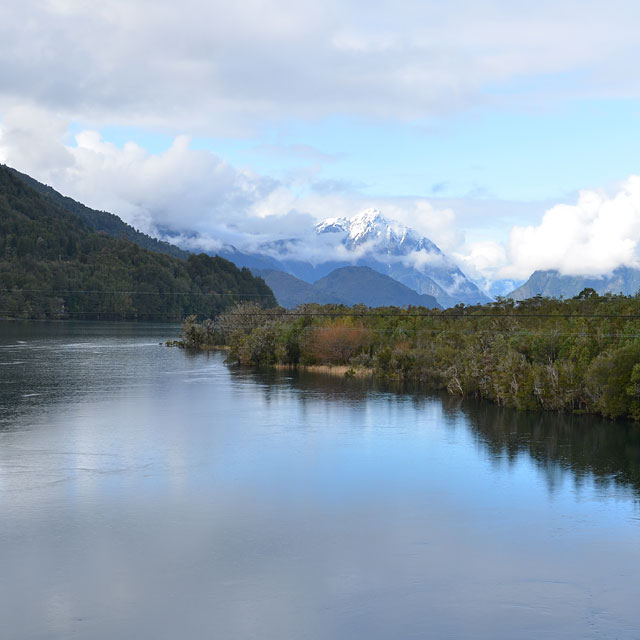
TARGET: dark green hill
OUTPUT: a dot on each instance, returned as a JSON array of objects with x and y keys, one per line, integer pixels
[
  {"x": 53, "y": 264},
  {"x": 291, "y": 291},
  {"x": 355, "y": 285},
  {"x": 102, "y": 220}
]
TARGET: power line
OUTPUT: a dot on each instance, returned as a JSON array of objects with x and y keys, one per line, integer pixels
[
  {"x": 367, "y": 313},
  {"x": 371, "y": 314},
  {"x": 138, "y": 293},
  {"x": 440, "y": 315}
]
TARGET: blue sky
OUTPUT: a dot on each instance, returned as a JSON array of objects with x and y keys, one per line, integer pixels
[
  {"x": 478, "y": 123},
  {"x": 510, "y": 154}
]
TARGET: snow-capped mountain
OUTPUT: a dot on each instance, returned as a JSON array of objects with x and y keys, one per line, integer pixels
[
  {"x": 371, "y": 240},
  {"x": 371, "y": 229},
  {"x": 400, "y": 252}
]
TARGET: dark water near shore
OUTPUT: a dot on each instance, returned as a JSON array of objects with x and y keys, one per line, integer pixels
[{"x": 149, "y": 493}]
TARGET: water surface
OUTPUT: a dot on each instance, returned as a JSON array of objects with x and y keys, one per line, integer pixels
[{"x": 149, "y": 493}]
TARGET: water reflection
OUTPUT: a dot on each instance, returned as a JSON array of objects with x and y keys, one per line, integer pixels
[
  {"x": 56, "y": 362},
  {"x": 151, "y": 493},
  {"x": 588, "y": 447}
]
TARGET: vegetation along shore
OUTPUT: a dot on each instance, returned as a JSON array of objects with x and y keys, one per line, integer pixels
[{"x": 580, "y": 355}]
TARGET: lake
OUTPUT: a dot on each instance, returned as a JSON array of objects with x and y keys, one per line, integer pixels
[{"x": 146, "y": 492}]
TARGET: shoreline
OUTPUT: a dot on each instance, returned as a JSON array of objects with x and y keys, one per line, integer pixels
[{"x": 338, "y": 370}]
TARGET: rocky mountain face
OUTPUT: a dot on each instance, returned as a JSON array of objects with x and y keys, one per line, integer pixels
[
  {"x": 367, "y": 240},
  {"x": 554, "y": 285}
]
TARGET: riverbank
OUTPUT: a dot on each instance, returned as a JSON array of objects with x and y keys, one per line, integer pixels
[
  {"x": 337, "y": 370},
  {"x": 579, "y": 355}
]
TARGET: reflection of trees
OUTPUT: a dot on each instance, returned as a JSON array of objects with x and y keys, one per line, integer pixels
[
  {"x": 585, "y": 445},
  {"x": 311, "y": 384}
]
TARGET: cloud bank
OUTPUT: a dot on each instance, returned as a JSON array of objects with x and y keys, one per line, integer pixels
[
  {"x": 227, "y": 67},
  {"x": 187, "y": 190},
  {"x": 204, "y": 202},
  {"x": 591, "y": 237}
]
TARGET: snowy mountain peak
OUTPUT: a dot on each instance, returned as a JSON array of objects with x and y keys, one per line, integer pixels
[
  {"x": 332, "y": 225},
  {"x": 368, "y": 239},
  {"x": 370, "y": 225},
  {"x": 371, "y": 228}
]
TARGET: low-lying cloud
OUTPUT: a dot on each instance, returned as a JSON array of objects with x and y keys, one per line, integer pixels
[
  {"x": 202, "y": 202},
  {"x": 186, "y": 190},
  {"x": 591, "y": 237},
  {"x": 193, "y": 196}
]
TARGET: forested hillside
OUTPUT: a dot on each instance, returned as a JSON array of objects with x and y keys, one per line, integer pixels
[
  {"x": 581, "y": 354},
  {"x": 53, "y": 265},
  {"x": 102, "y": 220}
]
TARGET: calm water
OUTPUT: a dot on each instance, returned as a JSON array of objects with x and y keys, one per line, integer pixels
[{"x": 149, "y": 493}]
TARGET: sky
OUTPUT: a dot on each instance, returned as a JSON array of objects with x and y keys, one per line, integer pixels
[{"x": 506, "y": 131}]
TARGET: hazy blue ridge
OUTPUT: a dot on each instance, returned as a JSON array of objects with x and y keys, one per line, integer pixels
[
  {"x": 345, "y": 285},
  {"x": 364, "y": 285},
  {"x": 291, "y": 291},
  {"x": 552, "y": 284}
]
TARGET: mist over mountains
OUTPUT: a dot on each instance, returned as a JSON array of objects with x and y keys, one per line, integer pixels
[
  {"x": 366, "y": 258},
  {"x": 365, "y": 240},
  {"x": 553, "y": 284}
]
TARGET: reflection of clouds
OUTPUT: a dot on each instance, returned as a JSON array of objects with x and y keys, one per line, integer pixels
[
  {"x": 215, "y": 502},
  {"x": 238, "y": 567}
]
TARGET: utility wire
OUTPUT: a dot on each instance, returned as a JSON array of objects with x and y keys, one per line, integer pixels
[
  {"x": 441, "y": 315},
  {"x": 137, "y": 293}
]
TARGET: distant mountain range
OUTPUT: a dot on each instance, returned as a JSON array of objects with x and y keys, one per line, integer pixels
[
  {"x": 552, "y": 284},
  {"x": 365, "y": 240},
  {"x": 302, "y": 269},
  {"x": 346, "y": 285}
]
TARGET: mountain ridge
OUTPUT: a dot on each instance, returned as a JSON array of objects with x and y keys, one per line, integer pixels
[
  {"x": 367, "y": 239},
  {"x": 345, "y": 285},
  {"x": 552, "y": 284},
  {"x": 104, "y": 221}
]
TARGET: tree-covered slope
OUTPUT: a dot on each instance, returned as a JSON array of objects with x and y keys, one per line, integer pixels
[
  {"x": 102, "y": 220},
  {"x": 53, "y": 265},
  {"x": 363, "y": 285}
]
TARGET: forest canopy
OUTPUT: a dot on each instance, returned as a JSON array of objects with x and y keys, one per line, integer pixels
[
  {"x": 53, "y": 265},
  {"x": 580, "y": 355}
]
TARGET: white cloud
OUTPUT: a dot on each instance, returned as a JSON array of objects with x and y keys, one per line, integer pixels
[
  {"x": 227, "y": 67},
  {"x": 206, "y": 201},
  {"x": 197, "y": 195},
  {"x": 591, "y": 237},
  {"x": 190, "y": 191},
  {"x": 482, "y": 260}
]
